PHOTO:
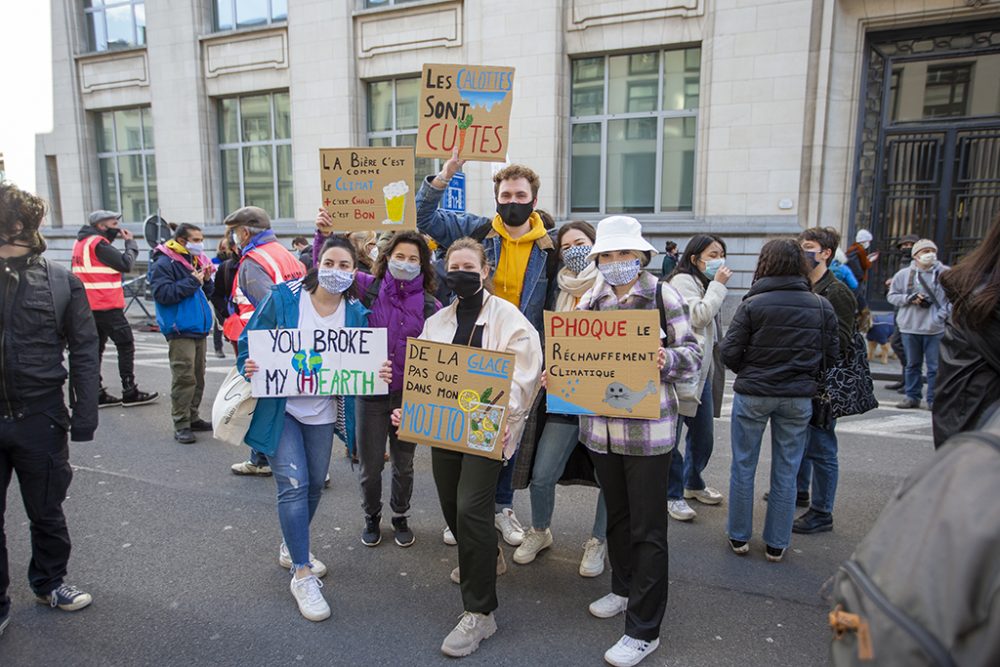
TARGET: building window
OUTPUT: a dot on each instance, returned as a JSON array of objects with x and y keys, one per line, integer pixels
[
  {"x": 377, "y": 4},
  {"x": 115, "y": 24},
  {"x": 126, "y": 164},
  {"x": 633, "y": 123},
  {"x": 946, "y": 92},
  {"x": 255, "y": 135},
  {"x": 392, "y": 119},
  {"x": 233, "y": 14}
]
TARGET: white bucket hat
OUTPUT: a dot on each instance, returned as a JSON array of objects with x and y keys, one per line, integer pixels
[{"x": 620, "y": 232}]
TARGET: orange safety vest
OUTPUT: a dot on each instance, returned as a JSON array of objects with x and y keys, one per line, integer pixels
[
  {"x": 102, "y": 284},
  {"x": 279, "y": 264}
]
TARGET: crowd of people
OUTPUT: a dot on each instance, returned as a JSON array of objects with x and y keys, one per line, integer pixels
[{"x": 485, "y": 281}]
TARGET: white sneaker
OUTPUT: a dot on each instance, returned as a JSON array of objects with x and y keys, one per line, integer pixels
[
  {"x": 285, "y": 561},
  {"x": 628, "y": 651},
  {"x": 680, "y": 510},
  {"x": 706, "y": 496},
  {"x": 608, "y": 606},
  {"x": 472, "y": 628},
  {"x": 592, "y": 563},
  {"x": 311, "y": 602},
  {"x": 449, "y": 537},
  {"x": 508, "y": 525},
  {"x": 456, "y": 574},
  {"x": 534, "y": 541}
]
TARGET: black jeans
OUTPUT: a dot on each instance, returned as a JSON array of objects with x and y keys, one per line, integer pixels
[
  {"x": 36, "y": 448},
  {"x": 112, "y": 324},
  {"x": 373, "y": 428},
  {"x": 634, "y": 490},
  {"x": 466, "y": 484}
]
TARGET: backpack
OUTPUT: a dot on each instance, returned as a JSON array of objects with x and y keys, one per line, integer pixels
[
  {"x": 921, "y": 586},
  {"x": 430, "y": 305},
  {"x": 59, "y": 285}
]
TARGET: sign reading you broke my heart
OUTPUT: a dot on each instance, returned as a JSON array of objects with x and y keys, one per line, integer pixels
[
  {"x": 318, "y": 362},
  {"x": 368, "y": 188}
]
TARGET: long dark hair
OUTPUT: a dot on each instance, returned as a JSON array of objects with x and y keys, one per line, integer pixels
[
  {"x": 311, "y": 280},
  {"x": 781, "y": 257},
  {"x": 973, "y": 285},
  {"x": 696, "y": 246},
  {"x": 426, "y": 269}
]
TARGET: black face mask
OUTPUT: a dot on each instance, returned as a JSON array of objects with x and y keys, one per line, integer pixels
[
  {"x": 514, "y": 214},
  {"x": 464, "y": 283},
  {"x": 111, "y": 233},
  {"x": 15, "y": 241}
]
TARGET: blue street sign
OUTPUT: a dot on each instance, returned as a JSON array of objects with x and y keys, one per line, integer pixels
[{"x": 454, "y": 195}]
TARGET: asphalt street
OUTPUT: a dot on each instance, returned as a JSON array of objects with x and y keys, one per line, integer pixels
[{"x": 181, "y": 558}]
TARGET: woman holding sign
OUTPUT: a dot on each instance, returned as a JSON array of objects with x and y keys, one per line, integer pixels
[
  {"x": 296, "y": 434},
  {"x": 466, "y": 483},
  {"x": 632, "y": 456},
  {"x": 562, "y": 432}
]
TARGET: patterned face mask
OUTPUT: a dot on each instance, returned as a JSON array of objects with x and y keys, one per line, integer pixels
[
  {"x": 621, "y": 273},
  {"x": 575, "y": 257},
  {"x": 335, "y": 281}
]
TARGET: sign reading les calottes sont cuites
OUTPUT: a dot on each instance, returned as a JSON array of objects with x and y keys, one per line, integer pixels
[
  {"x": 455, "y": 397},
  {"x": 465, "y": 107},
  {"x": 603, "y": 363},
  {"x": 368, "y": 188}
]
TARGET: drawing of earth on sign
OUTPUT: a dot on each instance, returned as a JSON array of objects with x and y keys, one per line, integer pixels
[
  {"x": 621, "y": 397},
  {"x": 484, "y": 89},
  {"x": 307, "y": 364}
]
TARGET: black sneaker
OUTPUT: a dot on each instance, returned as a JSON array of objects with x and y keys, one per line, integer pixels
[
  {"x": 201, "y": 425},
  {"x": 801, "y": 499},
  {"x": 184, "y": 436},
  {"x": 106, "y": 400},
  {"x": 908, "y": 404},
  {"x": 67, "y": 598},
  {"x": 135, "y": 397},
  {"x": 813, "y": 521},
  {"x": 739, "y": 547},
  {"x": 403, "y": 535},
  {"x": 895, "y": 386},
  {"x": 219, "y": 354},
  {"x": 773, "y": 554},
  {"x": 372, "y": 534}
]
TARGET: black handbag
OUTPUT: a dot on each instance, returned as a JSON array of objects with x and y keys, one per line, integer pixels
[
  {"x": 849, "y": 383},
  {"x": 822, "y": 404}
]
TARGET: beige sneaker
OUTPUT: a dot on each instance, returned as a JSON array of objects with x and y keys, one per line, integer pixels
[
  {"x": 534, "y": 542},
  {"x": 472, "y": 628},
  {"x": 456, "y": 576},
  {"x": 285, "y": 561}
]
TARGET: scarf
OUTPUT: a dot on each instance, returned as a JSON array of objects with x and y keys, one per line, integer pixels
[{"x": 574, "y": 285}]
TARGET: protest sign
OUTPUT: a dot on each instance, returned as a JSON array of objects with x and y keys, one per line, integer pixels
[
  {"x": 603, "y": 363},
  {"x": 467, "y": 107},
  {"x": 318, "y": 362},
  {"x": 368, "y": 188},
  {"x": 455, "y": 397}
]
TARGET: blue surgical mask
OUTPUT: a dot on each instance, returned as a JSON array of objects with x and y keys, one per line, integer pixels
[
  {"x": 335, "y": 281},
  {"x": 712, "y": 266},
  {"x": 811, "y": 258},
  {"x": 621, "y": 273},
  {"x": 403, "y": 271},
  {"x": 575, "y": 257}
]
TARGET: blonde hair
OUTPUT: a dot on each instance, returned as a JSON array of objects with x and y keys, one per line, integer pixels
[
  {"x": 360, "y": 240},
  {"x": 467, "y": 243}
]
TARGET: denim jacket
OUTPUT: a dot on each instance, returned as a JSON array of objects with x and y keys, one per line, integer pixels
[
  {"x": 446, "y": 227},
  {"x": 280, "y": 310}
]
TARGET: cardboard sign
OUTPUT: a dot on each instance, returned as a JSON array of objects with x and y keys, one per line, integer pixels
[
  {"x": 368, "y": 188},
  {"x": 603, "y": 363},
  {"x": 318, "y": 362},
  {"x": 456, "y": 397},
  {"x": 466, "y": 107}
]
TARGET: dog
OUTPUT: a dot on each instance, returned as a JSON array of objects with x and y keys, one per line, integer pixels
[{"x": 878, "y": 340}]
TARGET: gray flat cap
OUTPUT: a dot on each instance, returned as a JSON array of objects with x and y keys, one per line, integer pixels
[{"x": 98, "y": 216}]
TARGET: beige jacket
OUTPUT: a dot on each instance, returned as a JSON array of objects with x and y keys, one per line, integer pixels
[
  {"x": 703, "y": 306},
  {"x": 505, "y": 329}
]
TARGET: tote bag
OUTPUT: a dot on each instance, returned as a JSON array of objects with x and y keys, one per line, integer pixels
[{"x": 233, "y": 409}]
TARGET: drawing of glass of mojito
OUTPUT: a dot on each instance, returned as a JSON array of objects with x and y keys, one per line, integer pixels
[
  {"x": 484, "y": 426},
  {"x": 395, "y": 202}
]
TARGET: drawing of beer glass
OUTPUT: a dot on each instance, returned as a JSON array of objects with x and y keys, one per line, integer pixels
[
  {"x": 484, "y": 426},
  {"x": 395, "y": 202}
]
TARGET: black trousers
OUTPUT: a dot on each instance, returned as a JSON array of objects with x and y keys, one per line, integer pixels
[
  {"x": 112, "y": 324},
  {"x": 634, "y": 490},
  {"x": 36, "y": 448},
  {"x": 373, "y": 430},
  {"x": 896, "y": 343},
  {"x": 466, "y": 485}
]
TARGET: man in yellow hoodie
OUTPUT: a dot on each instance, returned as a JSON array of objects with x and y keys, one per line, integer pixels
[{"x": 522, "y": 255}]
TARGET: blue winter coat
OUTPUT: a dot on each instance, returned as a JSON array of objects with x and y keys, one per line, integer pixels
[
  {"x": 280, "y": 310},
  {"x": 182, "y": 307}
]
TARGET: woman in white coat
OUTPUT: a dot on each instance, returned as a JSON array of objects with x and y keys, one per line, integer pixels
[{"x": 700, "y": 277}]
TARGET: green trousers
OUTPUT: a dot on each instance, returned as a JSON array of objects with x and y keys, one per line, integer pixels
[
  {"x": 187, "y": 379},
  {"x": 466, "y": 485}
]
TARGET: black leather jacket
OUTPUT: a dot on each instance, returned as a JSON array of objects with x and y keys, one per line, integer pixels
[{"x": 32, "y": 373}]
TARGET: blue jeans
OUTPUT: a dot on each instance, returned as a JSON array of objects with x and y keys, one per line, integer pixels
[
  {"x": 789, "y": 419},
  {"x": 920, "y": 348},
  {"x": 504, "y": 497},
  {"x": 685, "y": 471},
  {"x": 819, "y": 464},
  {"x": 558, "y": 440},
  {"x": 256, "y": 458},
  {"x": 299, "y": 466}
]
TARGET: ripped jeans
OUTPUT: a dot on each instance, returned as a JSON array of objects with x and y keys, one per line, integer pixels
[{"x": 300, "y": 465}]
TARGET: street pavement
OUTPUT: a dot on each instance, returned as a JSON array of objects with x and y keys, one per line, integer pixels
[{"x": 181, "y": 558}]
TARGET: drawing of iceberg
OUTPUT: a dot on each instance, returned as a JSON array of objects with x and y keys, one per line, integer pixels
[
  {"x": 561, "y": 406},
  {"x": 482, "y": 98}
]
